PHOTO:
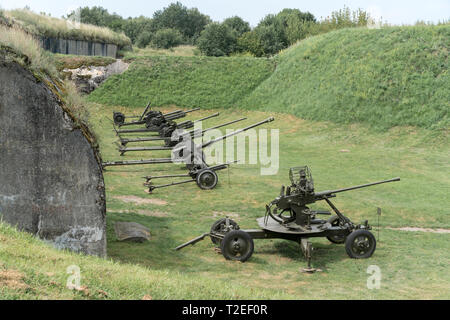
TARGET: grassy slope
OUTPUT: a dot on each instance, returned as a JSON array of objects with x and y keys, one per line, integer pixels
[
  {"x": 42, "y": 25},
  {"x": 414, "y": 264},
  {"x": 184, "y": 81},
  {"x": 387, "y": 77},
  {"x": 418, "y": 200},
  {"x": 30, "y": 269}
]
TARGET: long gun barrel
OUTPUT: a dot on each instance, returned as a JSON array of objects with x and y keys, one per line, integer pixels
[
  {"x": 330, "y": 192},
  {"x": 194, "y": 133},
  {"x": 206, "y": 144}
]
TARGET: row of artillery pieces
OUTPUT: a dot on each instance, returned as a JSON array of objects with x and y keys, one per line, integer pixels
[
  {"x": 176, "y": 137},
  {"x": 287, "y": 217}
]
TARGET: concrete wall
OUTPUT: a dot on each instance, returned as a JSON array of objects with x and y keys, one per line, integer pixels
[
  {"x": 79, "y": 47},
  {"x": 51, "y": 183}
]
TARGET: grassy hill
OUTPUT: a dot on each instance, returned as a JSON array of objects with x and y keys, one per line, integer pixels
[
  {"x": 31, "y": 269},
  {"x": 185, "y": 81},
  {"x": 43, "y": 25},
  {"x": 386, "y": 77}
]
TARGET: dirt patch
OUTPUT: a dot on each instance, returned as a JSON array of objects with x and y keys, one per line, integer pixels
[
  {"x": 12, "y": 279},
  {"x": 139, "y": 201},
  {"x": 225, "y": 214},
  {"x": 416, "y": 229}
]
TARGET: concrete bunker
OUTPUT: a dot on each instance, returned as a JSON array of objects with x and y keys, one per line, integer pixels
[{"x": 51, "y": 181}]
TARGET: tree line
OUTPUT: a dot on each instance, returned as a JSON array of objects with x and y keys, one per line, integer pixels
[{"x": 177, "y": 24}]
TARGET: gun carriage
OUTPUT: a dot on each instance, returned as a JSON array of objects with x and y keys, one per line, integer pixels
[
  {"x": 288, "y": 217},
  {"x": 193, "y": 157}
]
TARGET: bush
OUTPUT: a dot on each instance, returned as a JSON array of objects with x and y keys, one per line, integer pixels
[
  {"x": 144, "y": 39},
  {"x": 166, "y": 38},
  {"x": 217, "y": 40}
]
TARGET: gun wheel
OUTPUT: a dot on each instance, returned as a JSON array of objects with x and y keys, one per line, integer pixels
[
  {"x": 220, "y": 226},
  {"x": 237, "y": 245},
  {"x": 334, "y": 221},
  {"x": 119, "y": 118},
  {"x": 207, "y": 179},
  {"x": 360, "y": 244}
]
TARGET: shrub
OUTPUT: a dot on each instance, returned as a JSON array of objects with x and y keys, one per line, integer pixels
[
  {"x": 144, "y": 39},
  {"x": 217, "y": 40},
  {"x": 166, "y": 38}
]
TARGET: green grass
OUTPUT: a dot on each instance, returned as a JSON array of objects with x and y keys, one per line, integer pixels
[
  {"x": 386, "y": 77},
  {"x": 26, "y": 51},
  {"x": 184, "y": 81},
  {"x": 413, "y": 264},
  {"x": 394, "y": 76},
  {"x": 180, "y": 51},
  {"x": 66, "y": 61},
  {"x": 42, "y": 25}
]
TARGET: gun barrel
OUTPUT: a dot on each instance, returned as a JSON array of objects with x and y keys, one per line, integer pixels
[
  {"x": 206, "y": 118},
  {"x": 237, "y": 132},
  {"x": 329, "y": 192},
  {"x": 192, "y": 110},
  {"x": 172, "y": 113},
  {"x": 145, "y": 111},
  {"x": 136, "y": 162},
  {"x": 223, "y": 125}
]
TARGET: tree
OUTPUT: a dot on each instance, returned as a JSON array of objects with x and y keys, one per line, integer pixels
[
  {"x": 249, "y": 42},
  {"x": 144, "y": 39},
  {"x": 269, "y": 39},
  {"x": 190, "y": 22},
  {"x": 238, "y": 25},
  {"x": 166, "y": 38},
  {"x": 217, "y": 40}
]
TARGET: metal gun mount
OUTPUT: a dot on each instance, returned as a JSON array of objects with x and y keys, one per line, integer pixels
[
  {"x": 193, "y": 157},
  {"x": 296, "y": 222},
  {"x": 160, "y": 123},
  {"x": 177, "y": 137},
  {"x": 147, "y": 115}
]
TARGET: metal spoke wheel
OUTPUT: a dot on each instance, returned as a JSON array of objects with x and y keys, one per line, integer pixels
[
  {"x": 220, "y": 226},
  {"x": 360, "y": 244},
  {"x": 237, "y": 245},
  {"x": 334, "y": 221},
  {"x": 207, "y": 179},
  {"x": 119, "y": 118}
]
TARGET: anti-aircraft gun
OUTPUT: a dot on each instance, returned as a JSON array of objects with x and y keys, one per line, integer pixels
[
  {"x": 292, "y": 219},
  {"x": 193, "y": 157},
  {"x": 177, "y": 137}
]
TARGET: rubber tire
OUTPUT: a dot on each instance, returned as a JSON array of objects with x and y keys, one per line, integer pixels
[
  {"x": 119, "y": 118},
  {"x": 215, "y": 179},
  {"x": 331, "y": 239},
  {"x": 351, "y": 238},
  {"x": 216, "y": 227},
  {"x": 243, "y": 236}
]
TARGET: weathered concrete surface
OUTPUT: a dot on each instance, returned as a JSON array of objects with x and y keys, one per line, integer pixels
[
  {"x": 51, "y": 183},
  {"x": 79, "y": 47}
]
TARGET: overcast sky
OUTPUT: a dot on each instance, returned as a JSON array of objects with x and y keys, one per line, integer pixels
[{"x": 392, "y": 11}]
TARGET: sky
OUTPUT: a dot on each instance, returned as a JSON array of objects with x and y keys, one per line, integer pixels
[{"x": 393, "y": 11}]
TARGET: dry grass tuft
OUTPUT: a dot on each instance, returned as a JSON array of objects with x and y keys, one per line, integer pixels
[
  {"x": 42, "y": 25},
  {"x": 25, "y": 44}
]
